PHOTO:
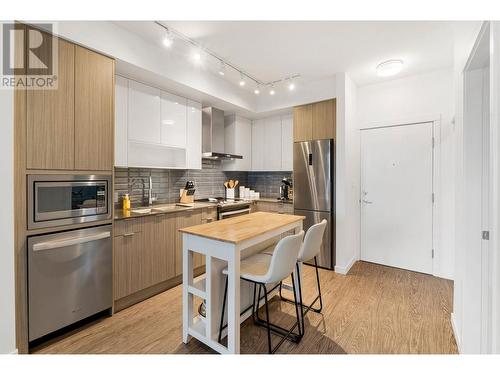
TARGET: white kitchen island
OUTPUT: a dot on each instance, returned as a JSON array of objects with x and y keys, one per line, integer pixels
[{"x": 224, "y": 243}]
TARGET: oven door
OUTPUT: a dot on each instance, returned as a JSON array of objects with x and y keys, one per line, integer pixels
[
  {"x": 63, "y": 200},
  {"x": 234, "y": 213}
]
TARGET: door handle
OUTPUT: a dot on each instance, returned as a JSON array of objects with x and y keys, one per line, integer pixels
[{"x": 367, "y": 202}]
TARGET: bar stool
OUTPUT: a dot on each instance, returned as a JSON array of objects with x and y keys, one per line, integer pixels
[
  {"x": 309, "y": 250},
  {"x": 262, "y": 270}
]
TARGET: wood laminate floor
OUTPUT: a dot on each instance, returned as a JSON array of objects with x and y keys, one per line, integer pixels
[{"x": 374, "y": 309}]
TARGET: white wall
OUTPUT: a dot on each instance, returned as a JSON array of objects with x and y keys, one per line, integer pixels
[
  {"x": 7, "y": 301},
  {"x": 421, "y": 98},
  {"x": 347, "y": 175}
]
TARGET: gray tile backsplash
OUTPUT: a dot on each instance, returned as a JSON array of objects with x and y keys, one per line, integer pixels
[
  {"x": 267, "y": 183},
  {"x": 209, "y": 182}
]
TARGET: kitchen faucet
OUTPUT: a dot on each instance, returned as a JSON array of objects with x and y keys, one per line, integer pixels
[
  {"x": 146, "y": 201},
  {"x": 150, "y": 190},
  {"x": 136, "y": 181}
]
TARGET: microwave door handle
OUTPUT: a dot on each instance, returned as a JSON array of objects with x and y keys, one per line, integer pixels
[
  {"x": 234, "y": 212},
  {"x": 49, "y": 245}
]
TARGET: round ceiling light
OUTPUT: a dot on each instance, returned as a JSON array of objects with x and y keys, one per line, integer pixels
[
  {"x": 242, "y": 80},
  {"x": 222, "y": 69},
  {"x": 197, "y": 57},
  {"x": 168, "y": 41},
  {"x": 389, "y": 68}
]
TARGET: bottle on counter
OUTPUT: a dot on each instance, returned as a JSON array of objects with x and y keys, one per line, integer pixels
[{"x": 126, "y": 202}]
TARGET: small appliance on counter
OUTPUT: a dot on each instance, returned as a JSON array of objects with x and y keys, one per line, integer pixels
[
  {"x": 286, "y": 192},
  {"x": 187, "y": 194}
]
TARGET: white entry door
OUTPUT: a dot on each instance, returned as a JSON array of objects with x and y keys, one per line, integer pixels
[{"x": 396, "y": 196}]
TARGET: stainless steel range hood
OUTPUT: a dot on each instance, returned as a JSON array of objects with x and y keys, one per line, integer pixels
[{"x": 213, "y": 135}]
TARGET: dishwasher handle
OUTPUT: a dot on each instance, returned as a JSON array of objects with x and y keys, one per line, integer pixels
[{"x": 49, "y": 245}]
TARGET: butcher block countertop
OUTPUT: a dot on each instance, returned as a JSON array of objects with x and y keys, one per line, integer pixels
[{"x": 241, "y": 228}]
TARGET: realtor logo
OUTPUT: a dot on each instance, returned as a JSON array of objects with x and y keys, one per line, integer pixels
[{"x": 29, "y": 56}]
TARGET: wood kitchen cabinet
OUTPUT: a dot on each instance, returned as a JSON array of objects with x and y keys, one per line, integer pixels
[
  {"x": 71, "y": 127},
  {"x": 314, "y": 121},
  {"x": 128, "y": 245},
  {"x": 50, "y": 132},
  {"x": 160, "y": 248},
  {"x": 302, "y": 123},
  {"x": 185, "y": 219},
  {"x": 323, "y": 119},
  {"x": 147, "y": 251},
  {"x": 121, "y": 121},
  {"x": 94, "y": 110},
  {"x": 277, "y": 207}
]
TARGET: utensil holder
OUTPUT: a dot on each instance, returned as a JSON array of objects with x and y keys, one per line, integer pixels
[{"x": 229, "y": 193}]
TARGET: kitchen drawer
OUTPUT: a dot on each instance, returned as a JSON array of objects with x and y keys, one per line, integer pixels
[
  {"x": 125, "y": 226},
  {"x": 208, "y": 215},
  {"x": 278, "y": 207}
]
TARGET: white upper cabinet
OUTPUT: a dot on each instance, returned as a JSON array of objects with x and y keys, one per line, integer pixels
[
  {"x": 193, "y": 143},
  {"x": 272, "y": 144},
  {"x": 155, "y": 129},
  {"x": 238, "y": 141},
  {"x": 258, "y": 145},
  {"x": 121, "y": 123},
  {"x": 287, "y": 143},
  {"x": 173, "y": 120},
  {"x": 143, "y": 113}
]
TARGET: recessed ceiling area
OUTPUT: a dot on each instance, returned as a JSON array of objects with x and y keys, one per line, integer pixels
[{"x": 270, "y": 50}]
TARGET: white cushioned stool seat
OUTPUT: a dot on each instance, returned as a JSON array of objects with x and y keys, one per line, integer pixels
[
  {"x": 269, "y": 250},
  {"x": 254, "y": 265}
]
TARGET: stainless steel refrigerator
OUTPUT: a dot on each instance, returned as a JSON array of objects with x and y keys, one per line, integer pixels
[{"x": 314, "y": 190}]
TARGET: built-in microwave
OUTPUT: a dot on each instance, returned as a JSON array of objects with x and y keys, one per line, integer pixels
[{"x": 55, "y": 200}]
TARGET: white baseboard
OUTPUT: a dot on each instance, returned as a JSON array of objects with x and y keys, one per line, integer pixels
[
  {"x": 344, "y": 270},
  {"x": 455, "y": 332}
]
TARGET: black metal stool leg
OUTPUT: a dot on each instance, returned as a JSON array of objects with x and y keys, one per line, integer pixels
[
  {"x": 297, "y": 302},
  {"x": 223, "y": 311},
  {"x": 319, "y": 286},
  {"x": 253, "y": 301},
  {"x": 267, "y": 320},
  {"x": 318, "y": 297}
]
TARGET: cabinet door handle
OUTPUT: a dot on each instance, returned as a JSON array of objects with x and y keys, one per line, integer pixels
[{"x": 128, "y": 234}]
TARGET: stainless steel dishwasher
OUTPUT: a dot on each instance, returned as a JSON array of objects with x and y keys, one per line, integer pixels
[{"x": 69, "y": 278}]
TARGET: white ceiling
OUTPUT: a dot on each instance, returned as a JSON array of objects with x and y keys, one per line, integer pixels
[
  {"x": 271, "y": 50},
  {"x": 317, "y": 50}
]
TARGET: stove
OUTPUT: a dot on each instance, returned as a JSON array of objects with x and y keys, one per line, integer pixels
[{"x": 227, "y": 208}]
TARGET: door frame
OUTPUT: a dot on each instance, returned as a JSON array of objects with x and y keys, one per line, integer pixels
[
  {"x": 484, "y": 55},
  {"x": 435, "y": 120}
]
